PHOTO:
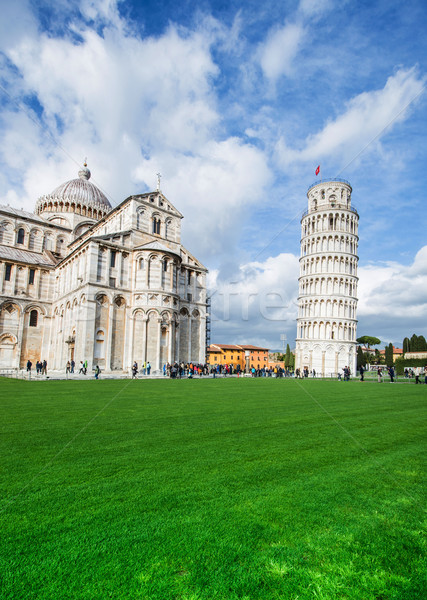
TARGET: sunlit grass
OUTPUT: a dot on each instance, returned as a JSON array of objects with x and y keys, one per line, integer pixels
[{"x": 221, "y": 489}]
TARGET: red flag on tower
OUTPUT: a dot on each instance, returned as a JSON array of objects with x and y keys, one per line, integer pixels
[{"x": 318, "y": 170}]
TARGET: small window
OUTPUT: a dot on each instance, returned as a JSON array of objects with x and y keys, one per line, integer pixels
[
  {"x": 31, "y": 277},
  {"x": 8, "y": 272},
  {"x": 141, "y": 263},
  {"x": 21, "y": 236},
  {"x": 113, "y": 259},
  {"x": 112, "y": 282},
  {"x": 34, "y": 316},
  {"x": 189, "y": 297},
  {"x": 165, "y": 265},
  {"x": 156, "y": 225},
  {"x": 189, "y": 277}
]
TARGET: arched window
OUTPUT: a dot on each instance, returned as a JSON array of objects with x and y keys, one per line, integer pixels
[
  {"x": 141, "y": 263},
  {"x": 21, "y": 236},
  {"x": 34, "y": 317},
  {"x": 156, "y": 225}
]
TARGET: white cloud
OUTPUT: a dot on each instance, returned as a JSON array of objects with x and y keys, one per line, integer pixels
[
  {"x": 276, "y": 56},
  {"x": 214, "y": 189},
  {"x": 135, "y": 107},
  {"x": 314, "y": 7},
  {"x": 394, "y": 290},
  {"x": 368, "y": 117},
  {"x": 259, "y": 304}
]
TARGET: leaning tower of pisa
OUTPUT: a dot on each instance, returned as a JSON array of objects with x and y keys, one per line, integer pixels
[{"x": 327, "y": 301}]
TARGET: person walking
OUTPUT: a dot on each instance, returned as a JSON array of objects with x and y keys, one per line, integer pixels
[
  {"x": 29, "y": 365},
  {"x": 380, "y": 374},
  {"x": 417, "y": 374},
  {"x": 134, "y": 370},
  {"x": 148, "y": 368},
  {"x": 362, "y": 372},
  {"x": 391, "y": 373},
  {"x": 97, "y": 372}
]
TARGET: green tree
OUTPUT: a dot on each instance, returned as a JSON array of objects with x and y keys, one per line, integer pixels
[
  {"x": 406, "y": 345},
  {"x": 414, "y": 343},
  {"x": 389, "y": 355},
  {"x": 360, "y": 357},
  {"x": 368, "y": 340},
  {"x": 287, "y": 356},
  {"x": 422, "y": 343}
]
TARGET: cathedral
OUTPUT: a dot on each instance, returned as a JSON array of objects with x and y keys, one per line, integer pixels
[{"x": 82, "y": 281}]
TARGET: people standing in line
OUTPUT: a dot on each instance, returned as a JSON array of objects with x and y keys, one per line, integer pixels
[
  {"x": 148, "y": 368},
  {"x": 144, "y": 368},
  {"x": 380, "y": 374},
  {"x": 362, "y": 372}
]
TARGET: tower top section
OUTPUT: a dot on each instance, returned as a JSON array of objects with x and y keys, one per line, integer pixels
[{"x": 329, "y": 194}]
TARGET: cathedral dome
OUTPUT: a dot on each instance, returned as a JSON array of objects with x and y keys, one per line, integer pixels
[{"x": 78, "y": 196}]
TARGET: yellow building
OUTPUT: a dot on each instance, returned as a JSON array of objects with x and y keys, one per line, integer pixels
[{"x": 237, "y": 355}]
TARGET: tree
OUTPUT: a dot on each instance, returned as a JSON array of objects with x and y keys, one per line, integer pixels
[
  {"x": 406, "y": 345},
  {"x": 360, "y": 357},
  {"x": 414, "y": 343},
  {"x": 389, "y": 355},
  {"x": 287, "y": 356},
  {"x": 422, "y": 343},
  {"x": 368, "y": 340}
]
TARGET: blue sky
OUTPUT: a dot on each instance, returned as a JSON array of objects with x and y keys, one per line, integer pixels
[{"x": 235, "y": 103}]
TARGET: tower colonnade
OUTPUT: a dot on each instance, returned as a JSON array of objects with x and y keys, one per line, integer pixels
[{"x": 327, "y": 300}]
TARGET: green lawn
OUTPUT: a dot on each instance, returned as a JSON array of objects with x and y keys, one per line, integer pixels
[{"x": 221, "y": 489}]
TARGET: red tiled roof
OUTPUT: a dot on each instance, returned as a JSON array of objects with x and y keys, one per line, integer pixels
[
  {"x": 250, "y": 347},
  {"x": 235, "y": 347}
]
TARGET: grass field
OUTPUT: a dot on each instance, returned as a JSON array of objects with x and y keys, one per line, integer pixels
[{"x": 221, "y": 489}]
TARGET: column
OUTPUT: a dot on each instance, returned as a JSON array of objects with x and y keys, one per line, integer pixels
[
  {"x": 120, "y": 269},
  {"x": 323, "y": 362},
  {"x": 190, "y": 358},
  {"x": 202, "y": 340},
  {"x": 159, "y": 337},
  {"x": 128, "y": 342},
  {"x": 144, "y": 339},
  {"x": 177, "y": 357},
  {"x": 172, "y": 268},
  {"x": 19, "y": 338},
  {"x": 171, "y": 340},
  {"x": 109, "y": 339}
]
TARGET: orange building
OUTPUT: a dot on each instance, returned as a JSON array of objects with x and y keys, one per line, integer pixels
[{"x": 238, "y": 355}]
